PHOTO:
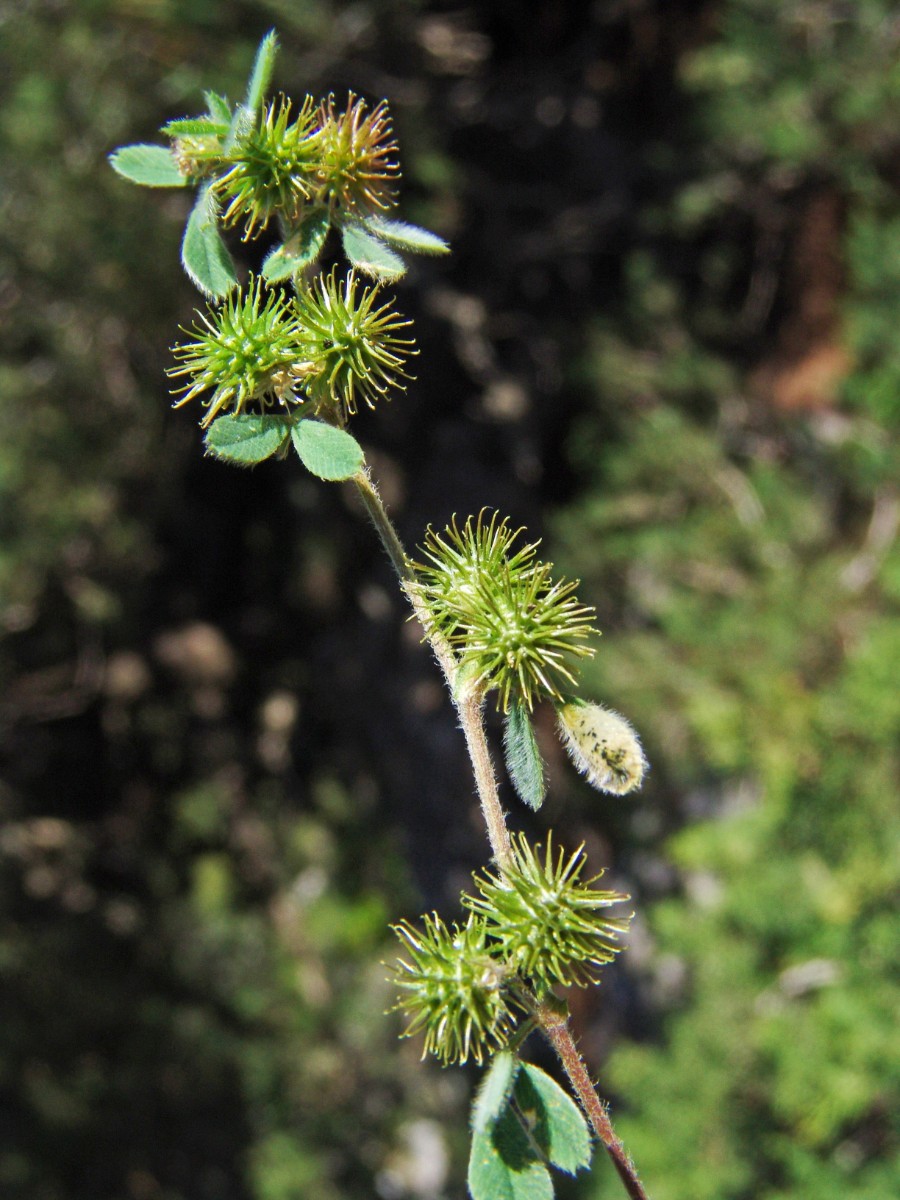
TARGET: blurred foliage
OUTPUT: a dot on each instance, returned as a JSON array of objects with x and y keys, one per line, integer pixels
[
  {"x": 193, "y": 999},
  {"x": 680, "y": 334},
  {"x": 741, "y": 531}
]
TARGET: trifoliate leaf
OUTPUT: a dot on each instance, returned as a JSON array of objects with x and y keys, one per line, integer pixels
[
  {"x": 301, "y": 249},
  {"x": 406, "y": 236},
  {"x": 246, "y": 438},
  {"x": 504, "y": 1164},
  {"x": 554, "y": 1119},
  {"x": 218, "y": 107},
  {"x": 370, "y": 255},
  {"x": 150, "y": 166},
  {"x": 495, "y": 1090},
  {"x": 203, "y": 252},
  {"x": 325, "y": 451},
  {"x": 194, "y": 127},
  {"x": 523, "y": 758},
  {"x": 262, "y": 72}
]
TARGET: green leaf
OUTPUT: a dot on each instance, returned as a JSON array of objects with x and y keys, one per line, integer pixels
[
  {"x": 241, "y": 124},
  {"x": 261, "y": 74},
  {"x": 203, "y": 252},
  {"x": 151, "y": 166},
  {"x": 301, "y": 249},
  {"x": 325, "y": 451},
  {"x": 523, "y": 758},
  {"x": 495, "y": 1090},
  {"x": 554, "y": 1119},
  {"x": 247, "y": 438},
  {"x": 406, "y": 236},
  {"x": 198, "y": 126},
  {"x": 370, "y": 254},
  {"x": 522, "y": 1119},
  {"x": 504, "y": 1164},
  {"x": 218, "y": 107}
]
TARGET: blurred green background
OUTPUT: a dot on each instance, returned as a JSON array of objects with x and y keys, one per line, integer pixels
[{"x": 666, "y": 342}]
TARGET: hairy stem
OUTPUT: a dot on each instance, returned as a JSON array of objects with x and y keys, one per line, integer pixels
[
  {"x": 368, "y": 493},
  {"x": 469, "y": 704},
  {"x": 556, "y": 1029}
]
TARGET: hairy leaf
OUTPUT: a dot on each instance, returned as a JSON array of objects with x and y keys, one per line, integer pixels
[
  {"x": 523, "y": 758},
  {"x": 203, "y": 252},
  {"x": 262, "y": 72},
  {"x": 325, "y": 451},
  {"x": 406, "y": 236},
  {"x": 246, "y": 438},
  {"x": 504, "y": 1164},
  {"x": 301, "y": 249},
  {"x": 555, "y": 1120},
  {"x": 370, "y": 255},
  {"x": 198, "y": 126},
  {"x": 218, "y": 107},
  {"x": 151, "y": 166},
  {"x": 495, "y": 1090}
]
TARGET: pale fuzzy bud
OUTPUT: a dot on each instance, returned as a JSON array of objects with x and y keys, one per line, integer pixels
[{"x": 603, "y": 746}]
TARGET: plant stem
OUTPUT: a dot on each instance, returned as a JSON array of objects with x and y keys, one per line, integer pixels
[
  {"x": 556, "y": 1030},
  {"x": 368, "y": 493},
  {"x": 469, "y": 707},
  {"x": 469, "y": 704}
]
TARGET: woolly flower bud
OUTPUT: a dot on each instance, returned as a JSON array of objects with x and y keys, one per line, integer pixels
[
  {"x": 603, "y": 746},
  {"x": 454, "y": 990},
  {"x": 549, "y": 924}
]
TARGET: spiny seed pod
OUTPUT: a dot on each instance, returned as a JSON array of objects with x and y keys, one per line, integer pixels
[
  {"x": 549, "y": 924},
  {"x": 244, "y": 352},
  {"x": 459, "y": 557},
  {"x": 351, "y": 346},
  {"x": 515, "y": 629},
  {"x": 603, "y": 746},
  {"x": 357, "y": 164},
  {"x": 268, "y": 167},
  {"x": 454, "y": 990}
]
